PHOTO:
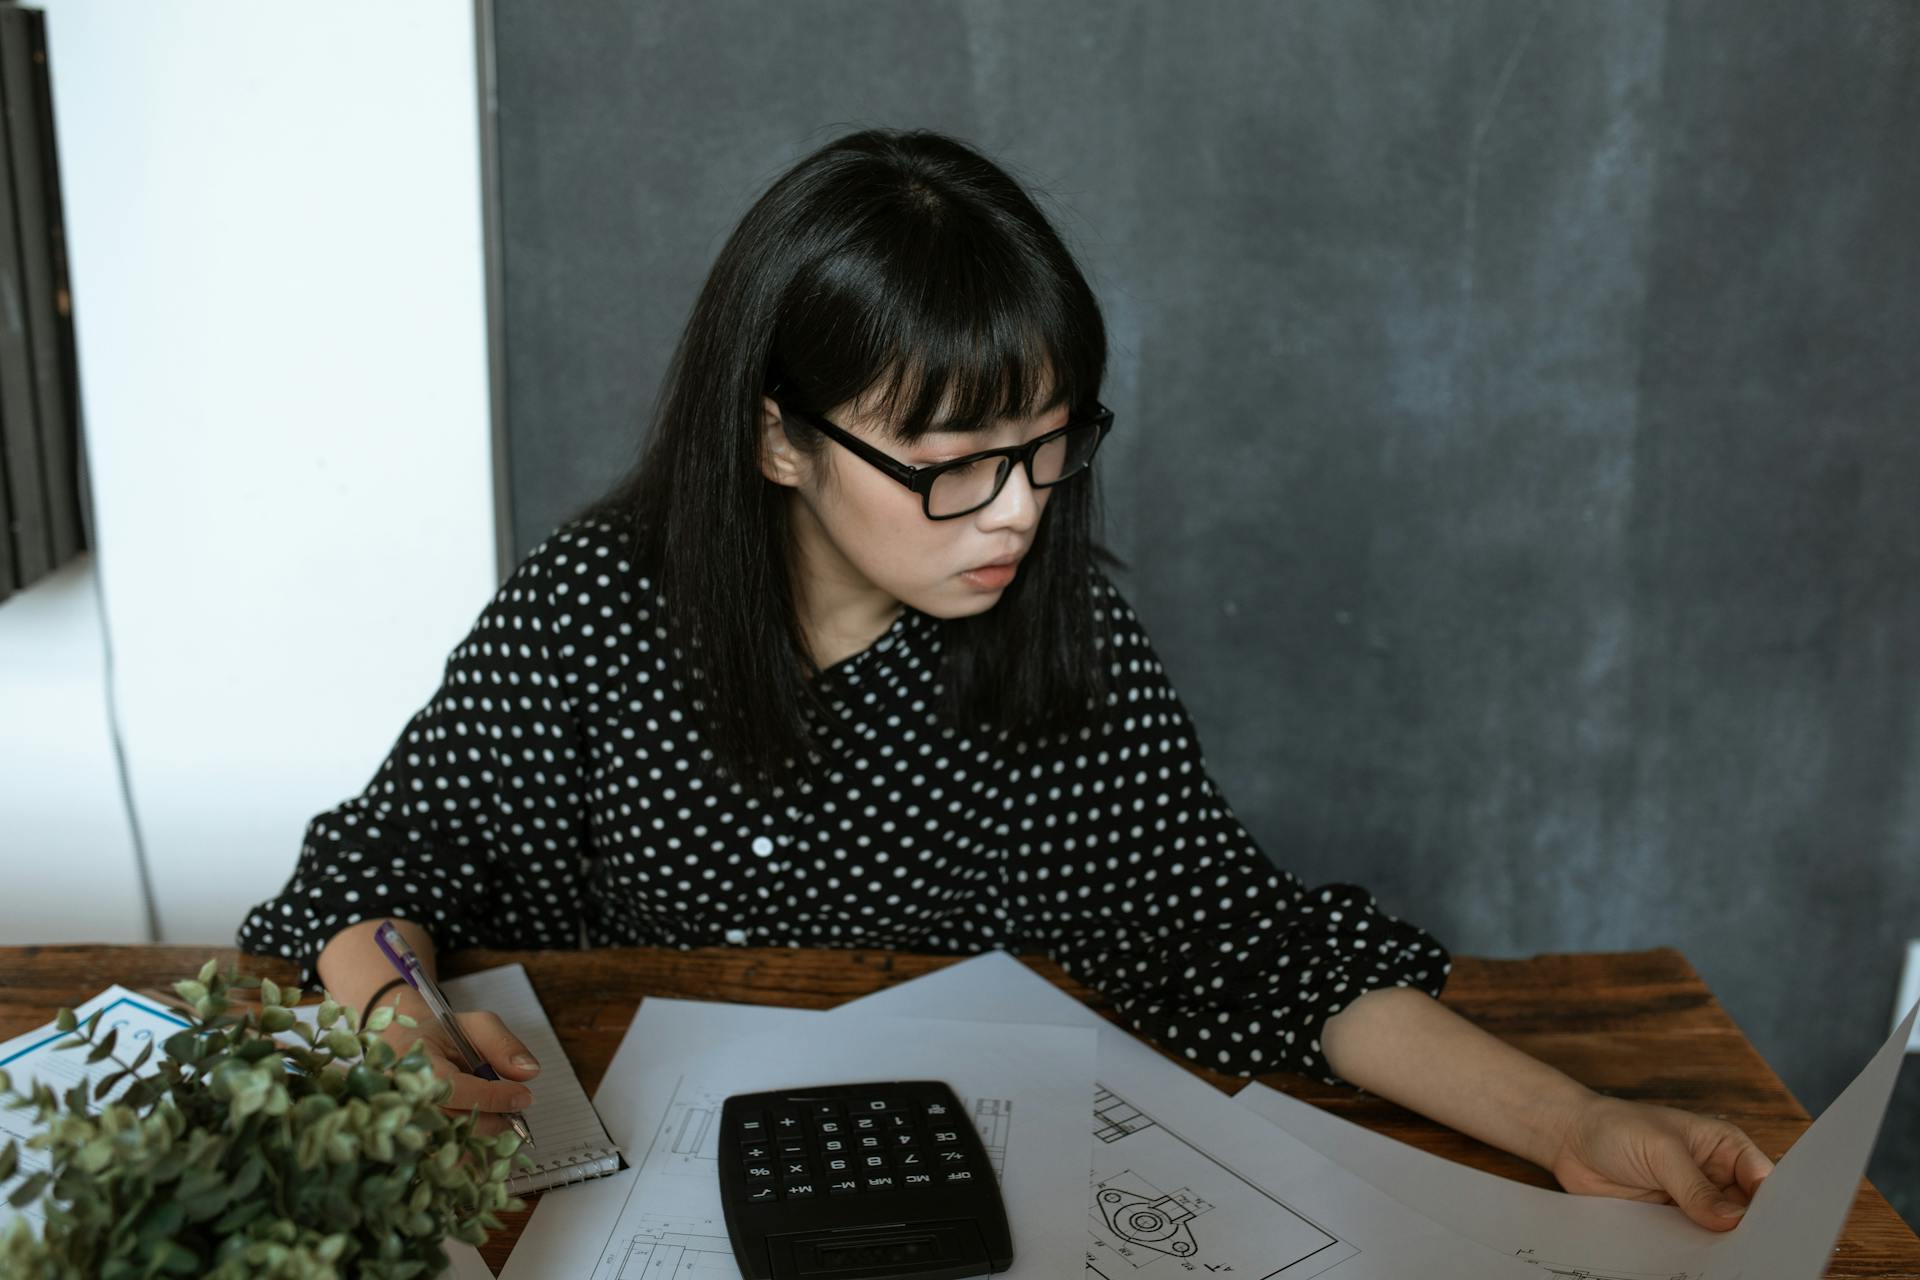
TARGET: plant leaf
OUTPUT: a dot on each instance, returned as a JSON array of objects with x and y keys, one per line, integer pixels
[
  {"x": 28, "y": 1191},
  {"x": 105, "y": 1047},
  {"x": 184, "y": 1046}
]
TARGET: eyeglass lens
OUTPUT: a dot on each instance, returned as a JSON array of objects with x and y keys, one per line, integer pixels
[{"x": 962, "y": 489}]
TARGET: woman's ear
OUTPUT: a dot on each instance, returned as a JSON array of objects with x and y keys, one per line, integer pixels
[{"x": 780, "y": 462}]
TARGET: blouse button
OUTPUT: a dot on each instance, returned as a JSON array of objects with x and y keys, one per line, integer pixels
[
  {"x": 763, "y": 846},
  {"x": 736, "y": 936}
]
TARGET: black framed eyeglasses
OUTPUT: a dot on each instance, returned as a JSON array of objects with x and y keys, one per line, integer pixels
[{"x": 962, "y": 486}]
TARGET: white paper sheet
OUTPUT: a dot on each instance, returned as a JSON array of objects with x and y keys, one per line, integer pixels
[
  {"x": 680, "y": 1059},
  {"x": 464, "y": 1262},
  {"x": 1250, "y": 1201},
  {"x": 1788, "y": 1232}
]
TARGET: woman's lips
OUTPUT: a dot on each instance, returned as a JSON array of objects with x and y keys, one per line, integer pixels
[{"x": 992, "y": 577}]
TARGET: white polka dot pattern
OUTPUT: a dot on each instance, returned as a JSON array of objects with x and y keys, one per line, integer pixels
[{"x": 558, "y": 777}]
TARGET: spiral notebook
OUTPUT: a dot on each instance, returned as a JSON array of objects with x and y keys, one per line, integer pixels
[{"x": 570, "y": 1144}]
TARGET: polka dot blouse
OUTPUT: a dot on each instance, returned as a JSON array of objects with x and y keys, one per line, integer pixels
[{"x": 555, "y": 790}]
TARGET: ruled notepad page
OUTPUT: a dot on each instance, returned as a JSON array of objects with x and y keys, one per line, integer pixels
[{"x": 569, "y": 1141}]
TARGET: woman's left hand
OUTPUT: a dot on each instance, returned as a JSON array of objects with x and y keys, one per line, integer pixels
[{"x": 1634, "y": 1151}]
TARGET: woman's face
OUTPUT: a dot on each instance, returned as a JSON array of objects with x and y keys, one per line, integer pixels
[{"x": 861, "y": 533}]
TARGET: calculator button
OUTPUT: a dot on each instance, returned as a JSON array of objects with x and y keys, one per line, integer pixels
[
  {"x": 867, "y": 1124},
  {"x": 753, "y": 1126},
  {"x": 793, "y": 1148},
  {"x": 936, "y": 1110},
  {"x": 832, "y": 1145},
  {"x": 829, "y": 1128},
  {"x": 899, "y": 1120},
  {"x": 823, "y": 1110},
  {"x": 872, "y": 1142},
  {"x": 757, "y": 1151},
  {"x": 759, "y": 1171},
  {"x": 944, "y": 1136},
  {"x": 843, "y": 1186},
  {"x": 951, "y": 1158},
  {"x": 800, "y": 1190},
  {"x": 912, "y": 1158},
  {"x": 794, "y": 1169},
  {"x": 872, "y": 1106},
  {"x": 874, "y": 1163},
  {"x": 921, "y": 1179},
  {"x": 903, "y": 1140},
  {"x": 786, "y": 1122},
  {"x": 879, "y": 1182},
  {"x": 839, "y": 1165},
  {"x": 759, "y": 1192},
  {"x": 956, "y": 1175}
]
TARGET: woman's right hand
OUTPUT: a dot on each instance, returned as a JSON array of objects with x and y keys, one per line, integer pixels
[{"x": 502, "y": 1050}]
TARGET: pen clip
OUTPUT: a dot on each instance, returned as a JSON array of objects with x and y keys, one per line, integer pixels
[{"x": 395, "y": 948}]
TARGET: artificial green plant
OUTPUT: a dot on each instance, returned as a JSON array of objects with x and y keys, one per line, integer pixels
[{"x": 242, "y": 1156}]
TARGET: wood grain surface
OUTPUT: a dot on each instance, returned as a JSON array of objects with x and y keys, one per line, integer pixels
[{"x": 1633, "y": 1024}]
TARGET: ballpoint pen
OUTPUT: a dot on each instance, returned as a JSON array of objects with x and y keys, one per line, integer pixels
[{"x": 396, "y": 949}]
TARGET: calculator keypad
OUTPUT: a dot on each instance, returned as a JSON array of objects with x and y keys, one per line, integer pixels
[{"x": 860, "y": 1145}]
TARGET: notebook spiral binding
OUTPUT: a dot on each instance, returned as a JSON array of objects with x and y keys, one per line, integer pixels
[{"x": 596, "y": 1162}]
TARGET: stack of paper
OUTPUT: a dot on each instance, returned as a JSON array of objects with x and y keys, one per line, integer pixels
[{"x": 1178, "y": 1182}]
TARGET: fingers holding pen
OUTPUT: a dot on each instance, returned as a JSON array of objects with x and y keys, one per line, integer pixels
[{"x": 502, "y": 1050}]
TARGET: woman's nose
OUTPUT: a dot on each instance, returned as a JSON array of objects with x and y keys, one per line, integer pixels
[{"x": 1016, "y": 506}]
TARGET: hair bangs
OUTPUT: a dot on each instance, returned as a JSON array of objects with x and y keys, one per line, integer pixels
[
  {"x": 960, "y": 365},
  {"x": 943, "y": 326}
]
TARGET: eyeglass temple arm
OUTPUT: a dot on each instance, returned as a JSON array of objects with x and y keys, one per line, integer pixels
[{"x": 907, "y": 475}]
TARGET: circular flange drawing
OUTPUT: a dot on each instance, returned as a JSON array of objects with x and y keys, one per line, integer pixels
[{"x": 1157, "y": 1223}]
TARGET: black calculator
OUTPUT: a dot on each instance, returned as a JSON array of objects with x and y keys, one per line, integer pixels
[{"x": 859, "y": 1182}]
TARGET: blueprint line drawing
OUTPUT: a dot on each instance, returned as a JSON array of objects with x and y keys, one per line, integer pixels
[
  {"x": 1573, "y": 1271},
  {"x": 663, "y": 1247},
  {"x": 1162, "y": 1225},
  {"x": 1150, "y": 1220},
  {"x": 689, "y": 1138},
  {"x": 993, "y": 1117},
  {"x": 1114, "y": 1118},
  {"x": 688, "y": 1143}
]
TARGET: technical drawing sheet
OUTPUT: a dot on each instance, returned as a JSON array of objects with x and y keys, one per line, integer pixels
[
  {"x": 1585, "y": 1236},
  {"x": 1788, "y": 1232},
  {"x": 1182, "y": 1184},
  {"x": 1026, "y": 1088}
]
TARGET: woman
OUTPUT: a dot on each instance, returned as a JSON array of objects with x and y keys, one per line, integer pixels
[{"x": 837, "y": 666}]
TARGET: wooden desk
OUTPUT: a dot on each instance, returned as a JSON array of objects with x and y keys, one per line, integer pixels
[{"x": 1636, "y": 1024}]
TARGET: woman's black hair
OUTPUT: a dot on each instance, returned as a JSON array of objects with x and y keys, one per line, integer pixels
[{"x": 907, "y": 266}]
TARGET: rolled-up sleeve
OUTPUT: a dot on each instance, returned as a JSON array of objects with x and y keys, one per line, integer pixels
[
  {"x": 473, "y": 826},
  {"x": 1130, "y": 869}
]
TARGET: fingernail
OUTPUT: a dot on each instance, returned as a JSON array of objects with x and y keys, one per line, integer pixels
[
  {"x": 526, "y": 1062},
  {"x": 520, "y": 1101},
  {"x": 1728, "y": 1209}
]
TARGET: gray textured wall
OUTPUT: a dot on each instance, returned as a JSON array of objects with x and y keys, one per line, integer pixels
[{"x": 1517, "y": 448}]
